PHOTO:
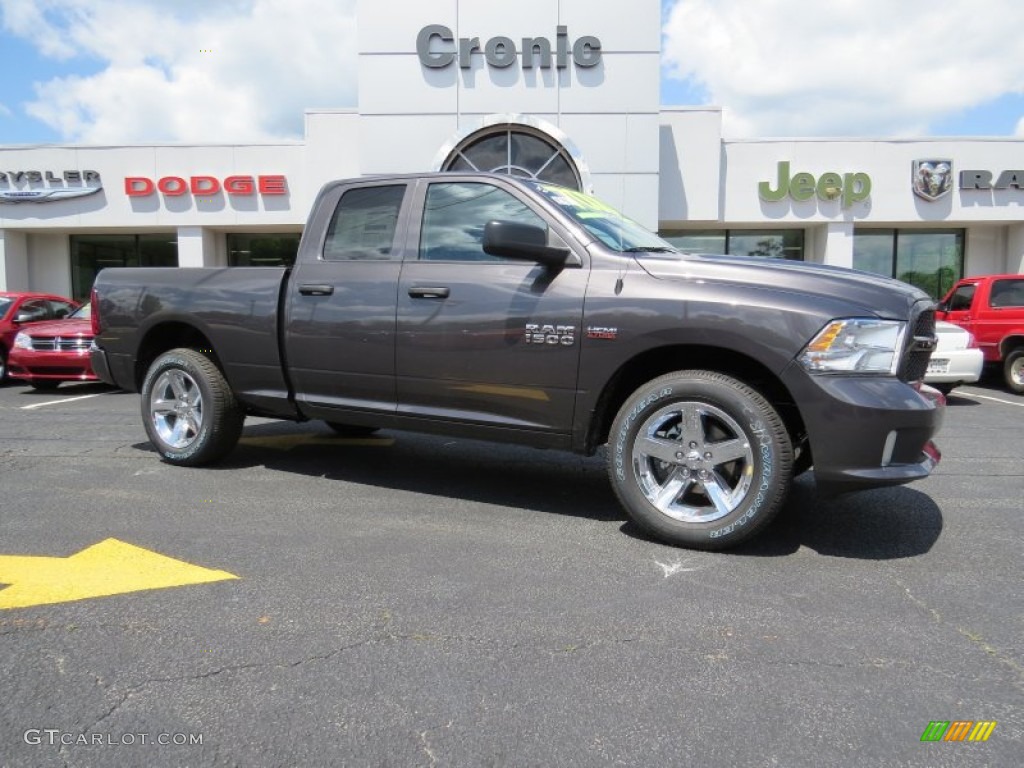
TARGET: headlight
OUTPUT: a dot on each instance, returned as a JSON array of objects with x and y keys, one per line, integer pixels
[
  {"x": 23, "y": 341},
  {"x": 855, "y": 345}
]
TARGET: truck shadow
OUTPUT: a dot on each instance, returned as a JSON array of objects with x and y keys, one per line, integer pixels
[{"x": 882, "y": 524}]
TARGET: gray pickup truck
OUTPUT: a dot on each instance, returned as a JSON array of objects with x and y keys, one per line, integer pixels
[{"x": 488, "y": 307}]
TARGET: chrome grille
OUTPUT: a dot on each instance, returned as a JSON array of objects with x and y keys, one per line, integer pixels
[
  {"x": 61, "y": 344},
  {"x": 919, "y": 347}
]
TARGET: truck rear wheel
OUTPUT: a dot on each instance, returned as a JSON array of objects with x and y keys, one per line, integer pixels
[
  {"x": 188, "y": 409},
  {"x": 1013, "y": 371},
  {"x": 699, "y": 459}
]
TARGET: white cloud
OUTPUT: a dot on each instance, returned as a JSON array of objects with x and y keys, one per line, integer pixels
[
  {"x": 845, "y": 67},
  {"x": 224, "y": 71}
]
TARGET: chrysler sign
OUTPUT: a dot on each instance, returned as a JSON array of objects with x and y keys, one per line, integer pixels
[{"x": 47, "y": 186}]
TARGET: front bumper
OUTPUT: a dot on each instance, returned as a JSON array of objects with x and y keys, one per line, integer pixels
[
  {"x": 32, "y": 365},
  {"x": 866, "y": 431}
]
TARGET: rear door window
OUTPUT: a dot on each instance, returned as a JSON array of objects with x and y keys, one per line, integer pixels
[{"x": 364, "y": 224}]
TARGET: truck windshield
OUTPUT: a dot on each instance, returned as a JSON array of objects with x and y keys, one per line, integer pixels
[{"x": 618, "y": 232}]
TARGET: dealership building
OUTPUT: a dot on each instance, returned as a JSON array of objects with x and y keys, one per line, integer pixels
[{"x": 566, "y": 91}]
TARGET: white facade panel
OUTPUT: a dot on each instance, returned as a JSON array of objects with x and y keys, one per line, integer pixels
[
  {"x": 400, "y": 85},
  {"x": 526, "y": 18},
  {"x": 403, "y": 143},
  {"x": 381, "y": 30},
  {"x": 987, "y": 247},
  {"x": 49, "y": 262},
  {"x": 616, "y": 143},
  {"x": 14, "y": 274},
  {"x": 620, "y": 26},
  {"x": 1015, "y": 249},
  {"x": 690, "y": 164},
  {"x": 622, "y": 82},
  {"x": 489, "y": 90},
  {"x": 636, "y": 195},
  {"x": 333, "y": 151}
]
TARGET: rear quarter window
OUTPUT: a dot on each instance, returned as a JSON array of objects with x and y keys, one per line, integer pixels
[{"x": 1007, "y": 293}]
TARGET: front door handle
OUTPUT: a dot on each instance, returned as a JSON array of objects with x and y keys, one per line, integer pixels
[
  {"x": 429, "y": 292},
  {"x": 316, "y": 290}
]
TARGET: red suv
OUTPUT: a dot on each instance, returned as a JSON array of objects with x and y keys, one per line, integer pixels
[
  {"x": 18, "y": 310},
  {"x": 992, "y": 308}
]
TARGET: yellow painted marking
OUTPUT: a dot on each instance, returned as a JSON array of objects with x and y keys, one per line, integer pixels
[
  {"x": 503, "y": 390},
  {"x": 111, "y": 567},
  {"x": 983, "y": 730},
  {"x": 287, "y": 442}
]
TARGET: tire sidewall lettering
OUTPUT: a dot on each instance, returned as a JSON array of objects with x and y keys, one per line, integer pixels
[
  {"x": 635, "y": 412},
  {"x": 766, "y": 470}
]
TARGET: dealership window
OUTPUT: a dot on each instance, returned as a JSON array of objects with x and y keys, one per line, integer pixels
[
  {"x": 769, "y": 243},
  {"x": 262, "y": 250},
  {"x": 932, "y": 260},
  {"x": 516, "y": 151},
  {"x": 91, "y": 253}
]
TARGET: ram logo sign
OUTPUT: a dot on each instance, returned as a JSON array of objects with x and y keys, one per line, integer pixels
[{"x": 932, "y": 179}]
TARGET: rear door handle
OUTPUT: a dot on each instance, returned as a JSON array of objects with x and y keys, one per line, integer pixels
[
  {"x": 316, "y": 290},
  {"x": 429, "y": 292}
]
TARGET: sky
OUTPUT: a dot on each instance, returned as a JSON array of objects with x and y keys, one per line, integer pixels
[{"x": 207, "y": 71}]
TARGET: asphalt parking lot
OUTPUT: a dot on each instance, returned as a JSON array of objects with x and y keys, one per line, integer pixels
[{"x": 407, "y": 600}]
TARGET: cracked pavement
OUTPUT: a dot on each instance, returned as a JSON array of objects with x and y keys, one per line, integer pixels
[{"x": 419, "y": 601}]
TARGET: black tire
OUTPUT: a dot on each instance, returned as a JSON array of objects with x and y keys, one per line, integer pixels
[
  {"x": 1013, "y": 371},
  {"x": 678, "y": 426},
  {"x": 188, "y": 409},
  {"x": 3, "y": 366},
  {"x": 350, "y": 430},
  {"x": 45, "y": 386}
]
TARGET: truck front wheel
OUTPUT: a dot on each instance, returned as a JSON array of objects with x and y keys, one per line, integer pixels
[
  {"x": 699, "y": 459},
  {"x": 189, "y": 411},
  {"x": 1013, "y": 371}
]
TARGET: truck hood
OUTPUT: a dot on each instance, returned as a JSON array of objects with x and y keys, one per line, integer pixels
[{"x": 867, "y": 293}]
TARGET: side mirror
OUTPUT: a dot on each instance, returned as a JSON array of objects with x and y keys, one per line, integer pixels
[{"x": 526, "y": 242}]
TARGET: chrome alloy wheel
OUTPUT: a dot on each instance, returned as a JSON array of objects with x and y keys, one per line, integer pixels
[
  {"x": 176, "y": 408},
  {"x": 693, "y": 462}
]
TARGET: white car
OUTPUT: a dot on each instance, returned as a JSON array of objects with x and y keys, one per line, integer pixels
[{"x": 956, "y": 359}]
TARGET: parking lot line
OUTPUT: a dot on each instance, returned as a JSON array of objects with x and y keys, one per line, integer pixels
[
  {"x": 58, "y": 402},
  {"x": 993, "y": 399}
]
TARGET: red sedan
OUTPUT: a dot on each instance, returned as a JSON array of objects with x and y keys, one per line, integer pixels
[
  {"x": 18, "y": 310},
  {"x": 45, "y": 354}
]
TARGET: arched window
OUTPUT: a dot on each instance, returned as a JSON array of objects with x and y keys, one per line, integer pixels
[{"x": 517, "y": 151}]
